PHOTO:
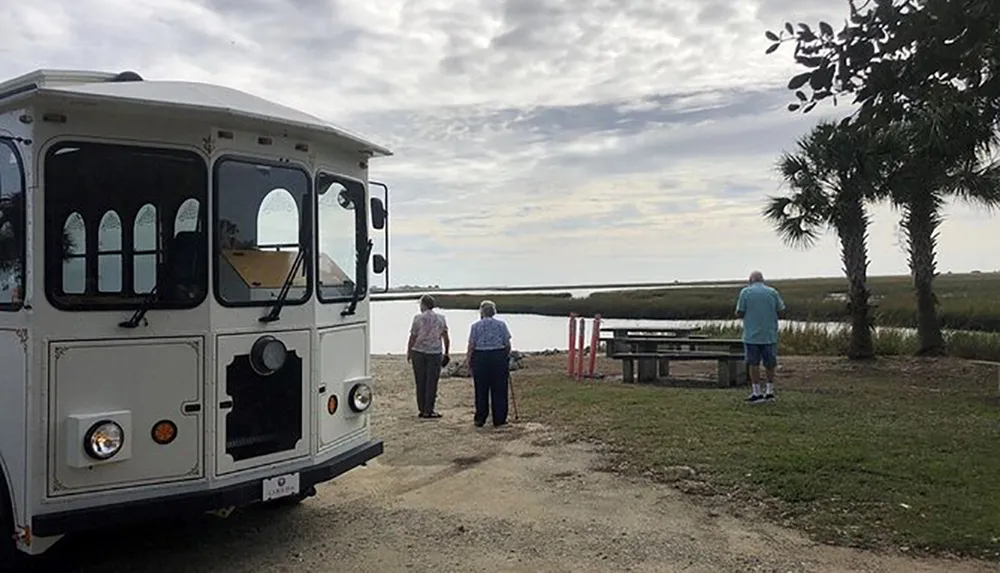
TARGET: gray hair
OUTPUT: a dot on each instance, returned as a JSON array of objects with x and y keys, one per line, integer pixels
[
  {"x": 756, "y": 277},
  {"x": 427, "y": 302},
  {"x": 487, "y": 308}
]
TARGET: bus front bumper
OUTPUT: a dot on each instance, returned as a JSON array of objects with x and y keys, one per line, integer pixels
[{"x": 239, "y": 495}]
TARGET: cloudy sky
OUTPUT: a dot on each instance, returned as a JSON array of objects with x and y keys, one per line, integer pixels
[{"x": 536, "y": 141}]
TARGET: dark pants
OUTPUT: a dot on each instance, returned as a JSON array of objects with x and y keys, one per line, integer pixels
[
  {"x": 426, "y": 373},
  {"x": 491, "y": 376}
]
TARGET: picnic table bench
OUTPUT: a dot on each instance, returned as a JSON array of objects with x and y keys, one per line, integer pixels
[{"x": 653, "y": 353}]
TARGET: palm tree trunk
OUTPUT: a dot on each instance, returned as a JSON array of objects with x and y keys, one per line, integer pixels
[
  {"x": 921, "y": 222},
  {"x": 853, "y": 234}
]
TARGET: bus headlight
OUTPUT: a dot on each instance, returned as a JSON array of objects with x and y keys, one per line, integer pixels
[
  {"x": 268, "y": 355},
  {"x": 103, "y": 440},
  {"x": 360, "y": 397}
]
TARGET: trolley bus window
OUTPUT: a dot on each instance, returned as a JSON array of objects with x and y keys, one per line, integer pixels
[
  {"x": 117, "y": 207},
  {"x": 74, "y": 252},
  {"x": 186, "y": 219},
  {"x": 12, "y": 227},
  {"x": 109, "y": 253},
  {"x": 261, "y": 212},
  {"x": 144, "y": 249},
  {"x": 342, "y": 224}
]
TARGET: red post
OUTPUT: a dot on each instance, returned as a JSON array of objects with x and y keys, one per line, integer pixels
[
  {"x": 572, "y": 343},
  {"x": 582, "y": 333},
  {"x": 594, "y": 340}
]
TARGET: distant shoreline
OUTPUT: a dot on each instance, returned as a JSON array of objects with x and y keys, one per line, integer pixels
[
  {"x": 968, "y": 302},
  {"x": 419, "y": 290}
]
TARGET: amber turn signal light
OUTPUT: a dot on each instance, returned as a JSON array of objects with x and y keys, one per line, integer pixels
[
  {"x": 331, "y": 404},
  {"x": 164, "y": 432}
]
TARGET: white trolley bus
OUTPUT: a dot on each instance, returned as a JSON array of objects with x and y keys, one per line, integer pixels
[{"x": 184, "y": 319}]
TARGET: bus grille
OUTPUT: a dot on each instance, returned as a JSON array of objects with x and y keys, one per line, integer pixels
[{"x": 266, "y": 417}]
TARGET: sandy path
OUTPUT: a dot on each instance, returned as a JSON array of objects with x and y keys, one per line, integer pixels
[{"x": 449, "y": 497}]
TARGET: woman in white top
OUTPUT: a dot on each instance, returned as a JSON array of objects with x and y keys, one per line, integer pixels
[{"x": 427, "y": 350}]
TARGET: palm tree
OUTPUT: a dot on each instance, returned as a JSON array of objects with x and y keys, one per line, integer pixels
[
  {"x": 836, "y": 169},
  {"x": 942, "y": 152}
]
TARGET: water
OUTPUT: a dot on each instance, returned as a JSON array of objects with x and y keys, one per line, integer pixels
[
  {"x": 530, "y": 332},
  {"x": 574, "y": 292}
]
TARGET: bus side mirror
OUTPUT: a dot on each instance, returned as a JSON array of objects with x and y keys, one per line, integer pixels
[
  {"x": 378, "y": 213},
  {"x": 379, "y": 264}
]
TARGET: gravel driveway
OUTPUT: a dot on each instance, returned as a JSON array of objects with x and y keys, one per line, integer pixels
[{"x": 446, "y": 496}]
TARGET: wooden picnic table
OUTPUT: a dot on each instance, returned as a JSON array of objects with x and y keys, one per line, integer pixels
[
  {"x": 653, "y": 343},
  {"x": 652, "y": 355},
  {"x": 675, "y": 340}
]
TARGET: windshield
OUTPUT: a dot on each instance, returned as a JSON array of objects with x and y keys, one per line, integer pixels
[
  {"x": 120, "y": 220},
  {"x": 260, "y": 214},
  {"x": 342, "y": 224}
]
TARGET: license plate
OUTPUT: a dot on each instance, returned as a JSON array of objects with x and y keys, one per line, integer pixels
[{"x": 280, "y": 486}]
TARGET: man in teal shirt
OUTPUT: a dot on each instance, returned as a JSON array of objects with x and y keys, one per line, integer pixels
[{"x": 760, "y": 306}]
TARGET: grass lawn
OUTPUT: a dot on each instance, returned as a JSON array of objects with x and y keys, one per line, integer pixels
[{"x": 902, "y": 453}]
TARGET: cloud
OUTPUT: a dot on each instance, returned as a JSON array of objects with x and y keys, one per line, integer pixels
[{"x": 536, "y": 140}]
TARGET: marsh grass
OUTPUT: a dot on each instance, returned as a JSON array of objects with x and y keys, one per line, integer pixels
[
  {"x": 967, "y": 302},
  {"x": 816, "y": 340}
]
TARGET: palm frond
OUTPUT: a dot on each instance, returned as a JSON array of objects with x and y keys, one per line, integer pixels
[
  {"x": 831, "y": 172},
  {"x": 977, "y": 184},
  {"x": 795, "y": 225}
]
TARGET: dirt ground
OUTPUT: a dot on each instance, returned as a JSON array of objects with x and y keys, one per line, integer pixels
[{"x": 446, "y": 496}]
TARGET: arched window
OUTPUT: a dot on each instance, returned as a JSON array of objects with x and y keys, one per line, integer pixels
[
  {"x": 74, "y": 254},
  {"x": 187, "y": 216},
  {"x": 278, "y": 222},
  {"x": 145, "y": 243},
  {"x": 109, "y": 253}
]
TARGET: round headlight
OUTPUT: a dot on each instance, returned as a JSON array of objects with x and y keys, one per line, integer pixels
[
  {"x": 104, "y": 440},
  {"x": 360, "y": 397},
  {"x": 268, "y": 355}
]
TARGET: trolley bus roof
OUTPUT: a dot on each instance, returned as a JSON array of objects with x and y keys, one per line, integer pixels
[{"x": 176, "y": 96}]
